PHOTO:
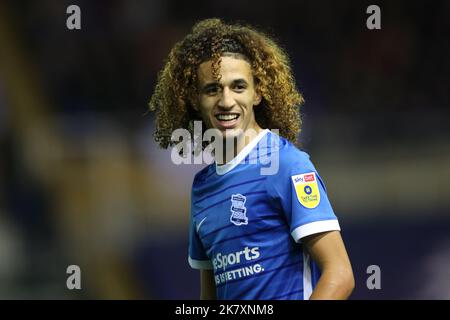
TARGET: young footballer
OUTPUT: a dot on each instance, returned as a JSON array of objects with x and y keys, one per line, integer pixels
[{"x": 261, "y": 224}]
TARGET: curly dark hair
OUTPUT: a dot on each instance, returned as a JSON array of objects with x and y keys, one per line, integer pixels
[{"x": 176, "y": 88}]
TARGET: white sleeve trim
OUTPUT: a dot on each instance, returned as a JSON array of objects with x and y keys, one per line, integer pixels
[
  {"x": 200, "y": 264},
  {"x": 314, "y": 227}
]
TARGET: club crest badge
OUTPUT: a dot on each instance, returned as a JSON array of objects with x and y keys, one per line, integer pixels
[
  {"x": 307, "y": 189},
  {"x": 238, "y": 210}
]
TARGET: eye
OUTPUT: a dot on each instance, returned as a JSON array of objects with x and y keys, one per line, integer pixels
[
  {"x": 240, "y": 87},
  {"x": 212, "y": 90}
]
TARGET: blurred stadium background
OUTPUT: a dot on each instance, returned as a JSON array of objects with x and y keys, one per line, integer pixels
[{"x": 82, "y": 182}]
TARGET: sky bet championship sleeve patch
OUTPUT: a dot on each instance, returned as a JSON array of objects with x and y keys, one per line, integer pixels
[{"x": 307, "y": 189}]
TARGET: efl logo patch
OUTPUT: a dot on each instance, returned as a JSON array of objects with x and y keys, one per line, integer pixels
[{"x": 307, "y": 189}]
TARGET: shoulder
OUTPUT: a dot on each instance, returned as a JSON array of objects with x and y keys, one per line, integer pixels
[
  {"x": 292, "y": 161},
  {"x": 291, "y": 158},
  {"x": 201, "y": 176}
]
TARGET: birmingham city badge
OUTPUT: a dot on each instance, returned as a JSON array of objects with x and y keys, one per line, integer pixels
[{"x": 238, "y": 210}]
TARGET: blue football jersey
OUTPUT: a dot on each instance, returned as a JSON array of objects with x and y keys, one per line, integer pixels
[{"x": 248, "y": 218}]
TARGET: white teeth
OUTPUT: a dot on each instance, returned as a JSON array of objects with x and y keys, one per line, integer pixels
[{"x": 227, "y": 117}]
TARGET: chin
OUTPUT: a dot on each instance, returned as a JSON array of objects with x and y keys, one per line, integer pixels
[{"x": 232, "y": 133}]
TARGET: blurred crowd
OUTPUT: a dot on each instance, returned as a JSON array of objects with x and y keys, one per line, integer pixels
[{"x": 82, "y": 182}]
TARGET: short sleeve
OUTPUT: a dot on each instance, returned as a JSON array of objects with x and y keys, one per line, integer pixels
[
  {"x": 197, "y": 257},
  {"x": 302, "y": 195}
]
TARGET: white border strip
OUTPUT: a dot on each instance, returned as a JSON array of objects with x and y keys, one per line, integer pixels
[
  {"x": 221, "y": 170},
  {"x": 314, "y": 227},
  {"x": 307, "y": 281},
  {"x": 200, "y": 264}
]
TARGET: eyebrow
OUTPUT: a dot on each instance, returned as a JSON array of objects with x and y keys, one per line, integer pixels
[
  {"x": 210, "y": 85},
  {"x": 215, "y": 84},
  {"x": 240, "y": 81}
]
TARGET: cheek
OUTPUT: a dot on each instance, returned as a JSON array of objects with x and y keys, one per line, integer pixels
[
  {"x": 247, "y": 101},
  {"x": 205, "y": 107}
]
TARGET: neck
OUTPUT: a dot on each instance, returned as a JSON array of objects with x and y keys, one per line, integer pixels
[{"x": 234, "y": 145}]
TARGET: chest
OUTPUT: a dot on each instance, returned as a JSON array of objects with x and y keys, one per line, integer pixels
[{"x": 236, "y": 217}]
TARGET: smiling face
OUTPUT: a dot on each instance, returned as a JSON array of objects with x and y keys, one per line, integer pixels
[{"x": 227, "y": 104}]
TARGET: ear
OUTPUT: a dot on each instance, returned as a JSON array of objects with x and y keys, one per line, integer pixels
[{"x": 257, "y": 98}]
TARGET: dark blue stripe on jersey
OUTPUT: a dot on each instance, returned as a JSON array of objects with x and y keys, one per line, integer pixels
[
  {"x": 249, "y": 234},
  {"x": 225, "y": 227},
  {"x": 213, "y": 205},
  {"x": 228, "y": 226},
  {"x": 233, "y": 185},
  {"x": 227, "y": 199},
  {"x": 285, "y": 295},
  {"x": 209, "y": 175},
  {"x": 258, "y": 274},
  {"x": 259, "y": 156},
  {"x": 217, "y": 230}
]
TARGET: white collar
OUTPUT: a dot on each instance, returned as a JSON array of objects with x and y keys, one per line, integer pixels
[{"x": 221, "y": 170}]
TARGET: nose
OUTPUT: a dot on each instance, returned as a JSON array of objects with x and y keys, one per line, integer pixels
[{"x": 226, "y": 100}]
